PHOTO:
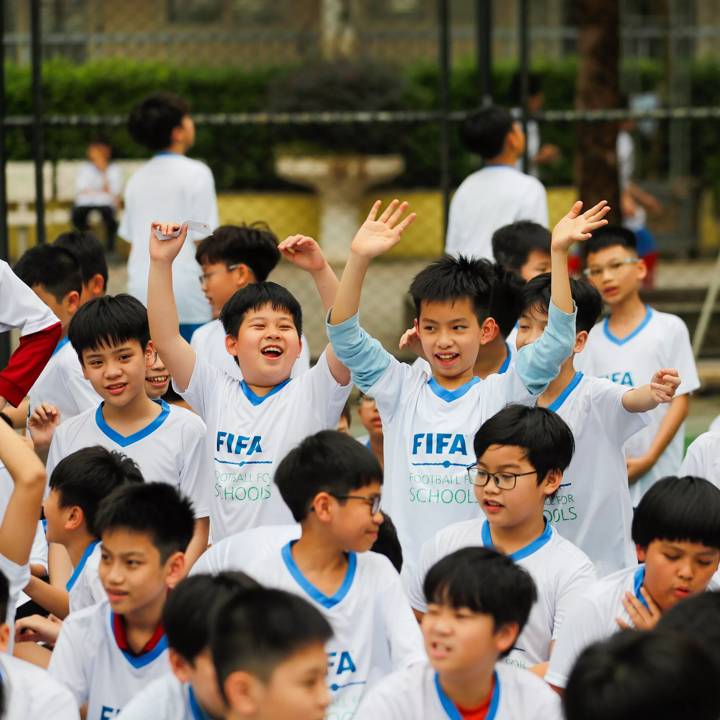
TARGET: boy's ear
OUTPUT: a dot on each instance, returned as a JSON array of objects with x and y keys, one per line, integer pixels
[
  {"x": 4, "y": 637},
  {"x": 489, "y": 330},
  {"x": 641, "y": 269},
  {"x": 75, "y": 518},
  {"x": 179, "y": 665},
  {"x": 641, "y": 553},
  {"x": 150, "y": 354},
  {"x": 243, "y": 693},
  {"x": 505, "y": 636},
  {"x": 321, "y": 505},
  {"x": 231, "y": 345},
  {"x": 72, "y": 302},
  {"x": 96, "y": 286},
  {"x": 175, "y": 569},
  {"x": 580, "y": 341},
  {"x": 551, "y": 482},
  {"x": 243, "y": 275}
]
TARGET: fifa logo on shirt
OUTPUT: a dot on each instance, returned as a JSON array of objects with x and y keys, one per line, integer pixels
[
  {"x": 106, "y": 713},
  {"x": 621, "y": 378},
  {"x": 342, "y": 662},
  {"x": 238, "y": 444},
  {"x": 439, "y": 444}
]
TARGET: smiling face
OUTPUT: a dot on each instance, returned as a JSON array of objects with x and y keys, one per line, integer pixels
[
  {"x": 352, "y": 521},
  {"x": 616, "y": 272},
  {"x": 157, "y": 379}
]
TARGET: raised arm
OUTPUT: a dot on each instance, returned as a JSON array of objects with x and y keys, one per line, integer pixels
[
  {"x": 178, "y": 356},
  {"x": 661, "y": 389}
]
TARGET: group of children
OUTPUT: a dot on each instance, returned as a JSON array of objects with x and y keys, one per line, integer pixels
[{"x": 188, "y": 535}]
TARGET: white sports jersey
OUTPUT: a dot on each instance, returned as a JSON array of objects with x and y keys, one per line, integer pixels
[
  {"x": 416, "y": 694},
  {"x": 164, "y": 699},
  {"x": 703, "y": 458},
  {"x": 507, "y": 363},
  {"x": 20, "y": 306},
  {"x": 89, "y": 662},
  {"x": 560, "y": 571},
  {"x": 208, "y": 342},
  {"x": 592, "y": 508},
  {"x": 62, "y": 384},
  {"x": 31, "y": 694},
  {"x": 715, "y": 424},
  {"x": 84, "y": 586},
  {"x": 660, "y": 341},
  {"x": 18, "y": 576},
  {"x": 374, "y": 629},
  {"x": 593, "y": 617},
  {"x": 170, "y": 449},
  {"x": 249, "y": 435}
]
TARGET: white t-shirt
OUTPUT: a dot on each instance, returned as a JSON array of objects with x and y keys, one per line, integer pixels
[
  {"x": 560, "y": 571},
  {"x": 89, "y": 662},
  {"x": 84, "y": 586},
  {"x": 208, "y": 342},
  {"x": 90, "y": 185},
  {"x": 416, "y": 694},
  {"x": 592, "y": 508},
  {"x": 374, "y": 629},
  {"x": 164, "y": 699},
  {"x": 487, "y": 200},
  {"x": 170, "y": 449},
  {"x": 703, "y": 458},
  {"x": 593, "y": 617},
  {"x": 20, "y": 306},
  {"x": 248, "y": 436},
  {"x": 30, "y": 693},
  {"x": 63, "y": 384},
  {"x": 660, "y": 341},
  {"x": 170, "y": 188}
]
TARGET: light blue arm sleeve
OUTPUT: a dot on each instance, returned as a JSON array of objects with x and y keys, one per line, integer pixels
[
  {"x": 365, "y": 357},
  {"x": 538, "y": 364}
]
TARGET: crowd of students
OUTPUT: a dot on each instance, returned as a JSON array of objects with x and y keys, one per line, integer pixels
[{"x": 188, "y": 530}]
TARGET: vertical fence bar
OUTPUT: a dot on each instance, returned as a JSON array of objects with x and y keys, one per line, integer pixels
[
  {"x": 37, "y": 106},
  {"x": 4, "y": 239},
  {"x": 524, "y": 42},
  {"x": 483, "y": 49},
  {"x": 444, "y": 62}
]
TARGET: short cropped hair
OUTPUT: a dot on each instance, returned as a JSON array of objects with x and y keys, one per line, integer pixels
[
  {"x": 189, "y": 609},
  {"x": 55, "y": 269},
  {"x": 682, "y": 509},
  {"x": 4, "y": 597},
  {"x": 534, "y": 80},
  {"x": 536, "y": 296},
  {"x": 155, "y": 508},
  {"x": 634, "y": 675},
  {"x": 255, "y": 296},
  {"x": 152, "y": 121},
  {"x": 89, "y": 252},
  {"x": 512, "y": 244},
  {"x": 328, "y": 461},
  {"x": 252, "y": 245},
  {"x": 544, "y": 436},
  {"x": 256, "y": 630},
  {"x": 484, "y": 581},
  {"x": 108, "y": 321},
  {"x": 388, "y": 543},
  {"x": 87, "y": 476},
  {"x": 609, "y": 236},
  {"x": 505, "y": 299},
  {"x": 484, "y": 131}
]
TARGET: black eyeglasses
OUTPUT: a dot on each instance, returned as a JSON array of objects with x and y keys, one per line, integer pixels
[
  {"x": 503, "y": 480},
  {"x": 373, "y": 502}
]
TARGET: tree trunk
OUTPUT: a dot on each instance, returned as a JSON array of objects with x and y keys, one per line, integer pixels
[{"x": 598, "y": 87}]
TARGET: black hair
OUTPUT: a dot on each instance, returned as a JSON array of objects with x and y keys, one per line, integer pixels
[
  {"x": 345, "y": 413},
  {"x": 255, "y": 296},
  {"x": 256, "y": 630},
  {"x": 536, "y": 296},
  {"x": 107, "y": 321},
  {"x": 535, "y": 84},
  {"x": 86, "y": 476},
  {"x": 505, "y": 299},
  {"x": 635, "y": 675},
  {"x": 512, "y": 244},
  {"x": 328, "y": 461},
  {"x": 189, "y": 609},
  {"x": 484, "y": 131},
  {"x": 4, "y": 598},
  {"x": 483, "y": 581},
  {"x": 152, "y": 121},
  {"x": 55, "y": 269},
  {"x": 682, "y": 509},
  {"x": 252, "y": 245},
  {"x": 89, "y": 252},
  {"x": 155, "y": 508},
  {"x": 544, "y": 436},
  {"x": 610, "y": 236},
  {"x": 388, "y": 543}
]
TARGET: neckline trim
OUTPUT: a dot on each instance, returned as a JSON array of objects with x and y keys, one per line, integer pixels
[
  {"x": 81, "y": 565},
  {"x": 450, "y": 395},
  {"x": 523, "y": 552},
  {"x": 621, "y": 341},
  {"x": 125, "y": 440},
  {"x": 256, "y": 399},
  {"x": 557, "y": 403},
  {"x": 451, "y": 709},
  {"x": 61, "y": 344},
  {"x": 155, "y": 647},
  {"x": 638, "y": 580}
]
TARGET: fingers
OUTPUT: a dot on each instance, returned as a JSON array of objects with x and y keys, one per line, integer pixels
[
  {"x": 389, "y": 211},
  {"x": 397, "y": 214},
  {"x": 372, "y": 215},
  {"x": 406, "y": 223},
  {"x": 575, "y": 209}
]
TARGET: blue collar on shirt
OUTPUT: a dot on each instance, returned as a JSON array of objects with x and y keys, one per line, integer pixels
[
  {"x": 63, "y": 342},
  {"x": 454, "y": 714},
  {"x": 196, "y": 711},
  {"x": 317, "y": 595},
  {"x": 167, "y": 152},
  {"x": 139, "y": 661},
  {"x": 450, "y": 395},
  {"x": 621, "y": 341},
  {"x": 563, "y": 396},
  {"x": 258, "y": 399},
  {"x": 506, "y": 363},
  {"x": 637, "y": 584},
  {"x": 524, "y": 552},
  {"x": 76, "y": 572},
  {"x": 124, "y": 441}
]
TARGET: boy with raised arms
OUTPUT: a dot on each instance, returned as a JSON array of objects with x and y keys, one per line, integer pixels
[
  {"x": 592, "y": 507},
  {"x": 429, "y": 423},
  {"x": 107, "y": 653},
  {"x": 676, "y": 529},
  {"x": 478, "y": 602},
  {"x": 521, "y": 455},
  {"x": 251, "y": 424}
]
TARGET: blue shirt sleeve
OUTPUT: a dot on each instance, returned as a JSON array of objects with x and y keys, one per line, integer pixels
[
  {"x": 538, "y": 364},
  {"x": 365, "y": 357}
]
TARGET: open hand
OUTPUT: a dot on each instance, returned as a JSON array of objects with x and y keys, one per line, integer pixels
[
  {"x": 304, "y": 252},
  {"x": 410, "y": 340},
  {"x": 643, "y": 618},
  {"x": 577, "y": 226},
  {"x": 378, "y": 234},
  {"x": 664, "y": 384},
  {"x": 42, "y": 424},
  {"x": 166, "y": 250},
  {"x": 36, "y": 628}
]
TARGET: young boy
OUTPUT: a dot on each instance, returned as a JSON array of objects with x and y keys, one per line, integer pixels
[
  {"x": 251, "y": 424},
  {"x": 429, "y": 423},
  {"x": 231, "y": 258},
  {"x": 371, "y": 421},
  {"x": 521, "y": 455},
  {"x": 522, "y": 247},
  {"x": 629, "y": 346},
  {"x": 676, "y": 529},
  {"x": 332, "y": 485},
  {"x": 168, "y": 185},
  {"x": 592, "y": 507},
  {"x": 91, "y": 257},
  {"x": 111, "y": 338},
  {"x": 478, "y": 602},
  {"x": 108, "y": 652},
  {"x": 498, "y": 194},
  {"x": 269, "y": 655},
  {"x": 190, "y": 691}
]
